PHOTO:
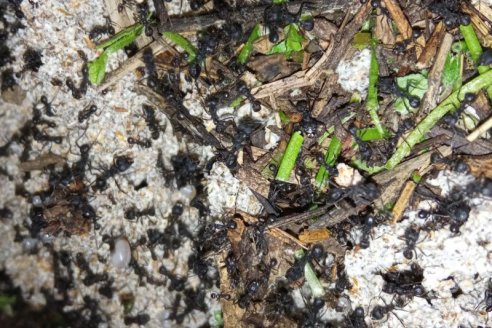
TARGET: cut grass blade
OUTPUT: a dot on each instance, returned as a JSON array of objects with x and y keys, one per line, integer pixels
[
  {"x": 372, "y": 104},
  {"x": 331, "y": 156},
  {"x": 290, "y": 156},
  {"x": 451, "y": 102},
  {"x": 475, "y": 49},
  {"x": 182, "y": 42},
  {"x": 121, "y": 39},
  {"x": 247, "y": 49},
  {"x": 313, "y": 281}
]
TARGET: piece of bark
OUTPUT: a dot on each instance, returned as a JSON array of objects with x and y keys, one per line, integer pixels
[
  {"x": 434, "y": 81},
  {"x": 399, "y": 18},
  {"x": 430, "y": 50}
]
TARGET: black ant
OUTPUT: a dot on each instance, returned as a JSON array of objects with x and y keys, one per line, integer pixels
[
  {"x": 457, "y": 165},
  {"x": 405, "y": 282},
  {"x": 405, "y": 125},
  {"x": 216, "y": 296},
  {"x": 78, "y": 92},
  {"x": 369, "y": 223},
  {"x": 363, "y": 191},
  {"x": 32, "y": 60},
  {"x": 133, "y": 213},
  {"x": 144, "y": 143},
  {"x": 388, "y": 85},
  {"x": 400, "y": 47},
  {"x": 243, "y": 89},
  {"x": 380, "y": 311},
  {"x": 486, "y": 57},
  {"x": 411, "y": 238},
  {"x": 124, "y": 3},
  {"x": 150, "y": 119},
  {"x": 450, "y": 12},
  {"x": 277, "y": 16},
  {"x": 99, "y": 30},
  {"x": 143, "y": 17},
  {"x": 120, "y": 165},
  {"x": 343, "y": 280},
  {"x": 140, "y": 319},
  {"x": 452, "y": 118},
  {"x": 86, "y": 113},
  {"x": 296, "y": 271},
  {"x": 176, "y": 283},
  {"x": 356, "y": 318},
  {"x": 365, "y": 150},
  {"x": 196, "y": 4}
]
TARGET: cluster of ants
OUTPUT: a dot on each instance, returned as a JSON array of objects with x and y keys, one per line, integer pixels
[{"x": 64, "y": 206}]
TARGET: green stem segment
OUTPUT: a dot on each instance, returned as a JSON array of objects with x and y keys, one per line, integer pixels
[
  {"x": 331, "y": 155},
  {"x": 313, "y": 281},
  {"x": 290, "y": 156},
  {"x": 451, "y": 102},
  {"x": 475, "y": 49},
  {"x": 372, "y": 92}
]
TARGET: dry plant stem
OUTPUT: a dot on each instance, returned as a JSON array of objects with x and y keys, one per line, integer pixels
[
  {"x": 480, "y": 130},
  {"x": 402, "y": 202},
  {"x": 129, "y": 65},
  {"x": 429, "y": 52},
  {"x": 399, "y": 17},
  {"x": 327, "y": 63},
  {"x": 372, "y": 104},
  {"x": 434, "y": 80}
]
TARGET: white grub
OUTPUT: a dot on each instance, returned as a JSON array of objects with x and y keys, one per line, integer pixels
[
  {"x": 353, "y": 73},
  {"x": 122, "y": 253}
]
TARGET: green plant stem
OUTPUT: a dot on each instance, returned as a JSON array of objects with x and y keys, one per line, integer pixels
[
  {"x": 331, "y": 155},
  {"x": 448, "y": 104},
  {"x": 313, "y": 281},
  {"x": 475, "y": 49},
  {"x": 372, "y": 92},
  {"x": 290, "y": 156}
]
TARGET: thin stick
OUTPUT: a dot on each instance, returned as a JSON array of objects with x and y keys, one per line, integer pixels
[
  {"x": 480, "y": 130},
  {"x": 399, "y": 17}
]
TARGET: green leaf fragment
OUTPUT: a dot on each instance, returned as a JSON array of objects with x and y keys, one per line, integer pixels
[
  {"x": 373, "y": 134},
  {"x": 182, "y": 42},
  {"x": 451, "y": 75},
  {"x": 121, "y": 39},
  {"x": 292, "y": 43},
  {"x": 97, "y": 69},
  {"x": 413, "y": 84},
  {"x": 236, "y": 102},
  {"x": 334, "y": 150},
  {"x": 247, "y": 49}
]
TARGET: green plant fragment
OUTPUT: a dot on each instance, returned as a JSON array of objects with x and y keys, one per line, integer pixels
[
  {"x": 290, "y": 156},
  {"x": 415, "y": 85},
  {"x": 182, "y": 42},
  {"x": 121, "y": 39},
  {"x": 97, "y": 69},
  {"x": 247, "y": 49},
  {"x": 334, "y": 150},
  {"x": 424, "y": 126}
]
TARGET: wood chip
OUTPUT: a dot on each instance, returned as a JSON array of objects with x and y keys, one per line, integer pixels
[
  {"x": 399, "y": 17},
  {"x": 430, "y": 50},
  {"x": 402, "y": 202},
  {"x": 314, "y": 236},
  {"x": 480, "y": 166}
]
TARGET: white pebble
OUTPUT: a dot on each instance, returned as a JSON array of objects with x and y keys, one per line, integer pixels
[{"x": 122, "y": 253}]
